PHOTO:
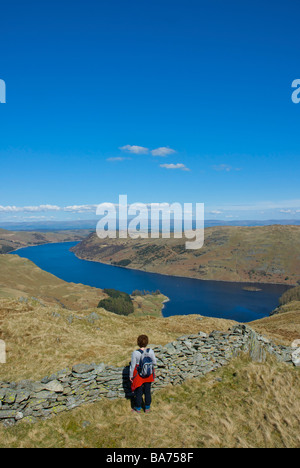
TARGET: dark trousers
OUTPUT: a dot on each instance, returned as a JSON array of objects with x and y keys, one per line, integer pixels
[{"x": 138, "y": 393}]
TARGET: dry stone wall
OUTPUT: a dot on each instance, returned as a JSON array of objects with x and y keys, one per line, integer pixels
[{"x": 187, "y": 357}]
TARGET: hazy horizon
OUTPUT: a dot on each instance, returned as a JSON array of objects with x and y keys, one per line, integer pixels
[{"x": 90, "y": 224}]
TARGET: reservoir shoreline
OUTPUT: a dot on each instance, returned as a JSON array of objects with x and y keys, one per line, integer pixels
[
  {"x": 209, "y": 298},
  {"x": 252, "y": 283}
]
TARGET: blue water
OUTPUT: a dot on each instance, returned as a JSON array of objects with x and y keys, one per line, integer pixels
[{"x": 187, "y": 296}]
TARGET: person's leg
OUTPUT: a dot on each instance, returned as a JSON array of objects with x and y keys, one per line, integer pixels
[
  {"x": 148, "y": 399},
  {"x": 138, "y": 398}
]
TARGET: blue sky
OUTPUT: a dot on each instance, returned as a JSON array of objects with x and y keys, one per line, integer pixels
[{"x": 165, "y": 101}]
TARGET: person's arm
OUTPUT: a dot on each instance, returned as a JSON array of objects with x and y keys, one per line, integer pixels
[
  {"x": 132, "y": 364},
  {"x": 153, "y": 357}
]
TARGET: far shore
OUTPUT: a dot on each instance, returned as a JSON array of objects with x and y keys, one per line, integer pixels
[
  {"x": 189, "y": 277},
  {"x": 39, "y": 245},
  {"x": 248, "y": 288}
]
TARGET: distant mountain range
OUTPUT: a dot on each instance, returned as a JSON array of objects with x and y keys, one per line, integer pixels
[{"x": 91, "y": 224}]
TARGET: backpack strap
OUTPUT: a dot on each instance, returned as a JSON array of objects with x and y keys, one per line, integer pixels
[{"x": 146, "y": 351}]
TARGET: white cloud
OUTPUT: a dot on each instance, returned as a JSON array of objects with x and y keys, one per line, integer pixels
[
  {"x": 80, "y": 208},
  {"x": 180, "y": 166},
  {"x": 118, "y": 158},
  {"x": 28, "y": 209},
  {"x": 215, "y": 212},
  {"x": 265, "y": 205},
  {"x": 289, "y": 211},
  {"x": 134, "y": 149},
  {"x": 162, "y": 151},
  {"x": 47, "y": 208},
  {"x": 225, "y": 168}
]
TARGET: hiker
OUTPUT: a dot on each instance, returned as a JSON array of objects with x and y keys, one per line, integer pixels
[{"x": 142, "y": 373}]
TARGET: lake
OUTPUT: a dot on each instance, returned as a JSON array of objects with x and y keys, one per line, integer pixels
[{"x": 187, "y": 296}]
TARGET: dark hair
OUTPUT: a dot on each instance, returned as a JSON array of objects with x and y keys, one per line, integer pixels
[{"x": 142, "y": 341}]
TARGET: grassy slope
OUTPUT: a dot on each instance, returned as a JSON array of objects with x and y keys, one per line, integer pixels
[
  {"x": 254, "y": 254},
  {"x": 42, "y": 340},
  {"x": 20, "y": 277},
  {"x": 250, "y": 405},
  {"x": 244, "y": 404},
  {"x": 46, "y": 330},
  {"x": 283, "y": 327},
  {"x": 12, "y": 240}
]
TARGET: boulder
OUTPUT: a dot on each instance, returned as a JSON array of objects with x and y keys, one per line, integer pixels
[
  {"x": 296, "y": 357},
  {"x": 295, "y": 344}
]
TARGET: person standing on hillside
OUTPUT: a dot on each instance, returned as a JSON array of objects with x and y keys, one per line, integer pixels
[{"x": 142, "y": 373}]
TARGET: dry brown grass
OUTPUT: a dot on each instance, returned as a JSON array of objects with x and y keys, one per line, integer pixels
[
  {"x": 250, "y": 405},
  {"x": 254, "y": 405},
  {"x": 282, "y": 328},
  {"x": 41, "y": 340},
  {"x": 21, "y": 277}
]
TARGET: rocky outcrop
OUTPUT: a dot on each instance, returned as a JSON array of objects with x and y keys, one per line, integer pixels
[{"x": 187, "y": 357}]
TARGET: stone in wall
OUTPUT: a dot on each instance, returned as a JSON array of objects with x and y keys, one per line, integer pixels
[{"x": 2, "y": 352}]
